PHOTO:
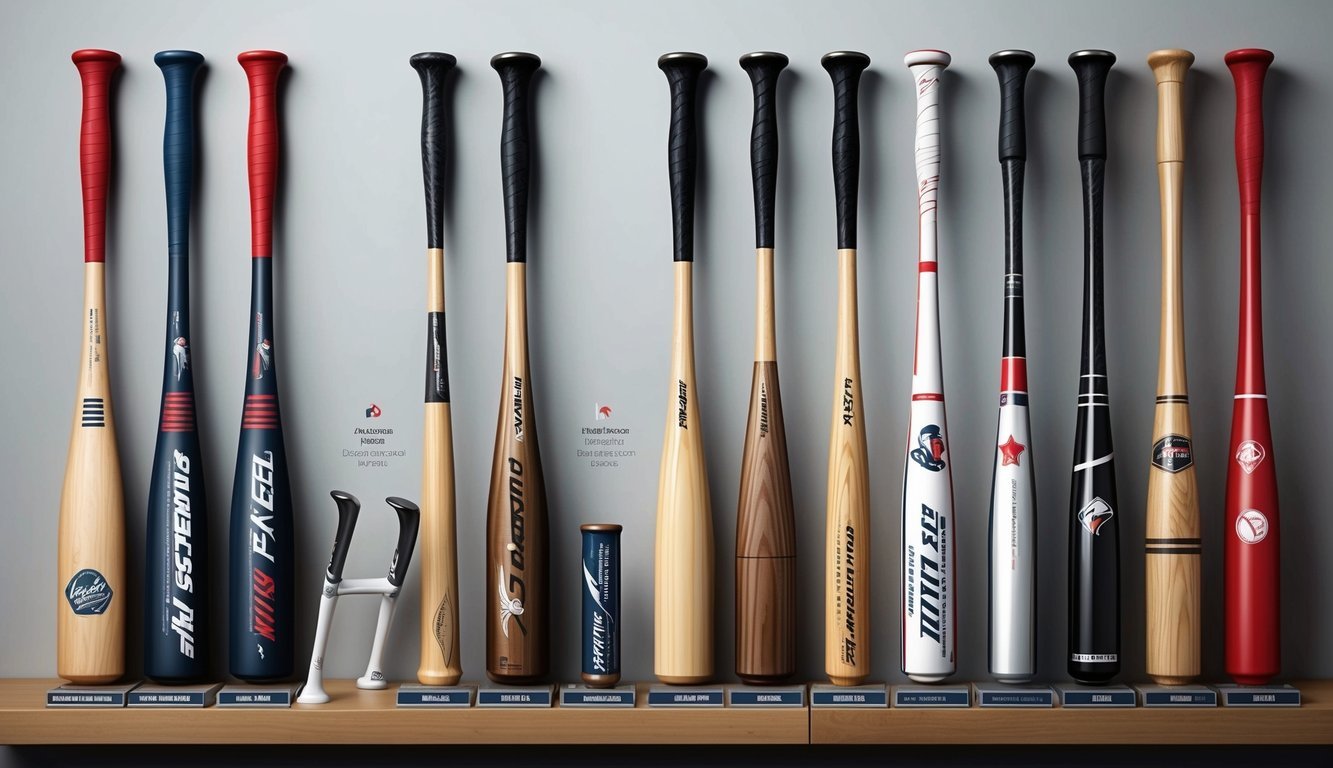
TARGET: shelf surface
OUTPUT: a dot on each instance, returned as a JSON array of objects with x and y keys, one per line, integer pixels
[
  {"x": 372, "y": 717},
  {"x": 1311, "y": 723}
]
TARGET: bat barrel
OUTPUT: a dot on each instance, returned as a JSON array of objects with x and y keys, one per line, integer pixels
[
  {"x": 516, "y": 70},
  {"x": 262, "y": 69},
  {"x": 433, "y": 67},
  {"x": 683, "y": 70},
  {"x": 764, "y": 68},
  {"x": 845, "y": 68}
]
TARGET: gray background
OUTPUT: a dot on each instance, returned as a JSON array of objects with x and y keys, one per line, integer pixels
[{"x": 350, "y": 282}]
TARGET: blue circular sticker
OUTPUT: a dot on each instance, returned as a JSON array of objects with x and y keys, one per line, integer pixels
[{"x": 88, "y": 593}]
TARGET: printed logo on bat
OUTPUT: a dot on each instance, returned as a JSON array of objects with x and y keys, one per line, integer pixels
[
  {"x": 1251, "y": 526},
  {"x": 1173, "y": 453},
  {"x": 930, "y": 450},
  {"x": 88, "y": 593},
  {"x": 1009, "y": 452},
  {"x": 1250, "y": 455},
  {"x": 1096, "y": 514},
  {"x": 180, "y": 357}
]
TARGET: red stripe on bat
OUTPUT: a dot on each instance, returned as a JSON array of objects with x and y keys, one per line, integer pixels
[
  {"x": 928, "y": 396},
  {"x": 1013, "y": 374}
]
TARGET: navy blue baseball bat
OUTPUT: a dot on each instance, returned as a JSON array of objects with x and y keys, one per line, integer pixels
[
  {"x": 176, "y": 569},
  {"x": 262, "y": 582}
]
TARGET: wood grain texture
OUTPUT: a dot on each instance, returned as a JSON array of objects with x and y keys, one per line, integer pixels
[
  {"x": 441, "y": 658},
  {"x": 765, "y": 516},
  {"x": 1172, "y": 531},
  {"x": 91, "y": 648},
  {"x": 1312, "y": 723},
  {"x": 847, "y": 536},
  {"x": 370, "y": 717},
  {"x": 683, "y": 569},
  {"x": 517, "y": 544}
]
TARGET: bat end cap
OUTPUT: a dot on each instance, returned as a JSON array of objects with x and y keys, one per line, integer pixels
[
  {"x": 686, "y": 60},
  {"x": 178, "y": 58},
  {"x": 249, "y": 58},
  {"x": 433, "y": 60},
  {"x": 852, "y": 60},
  {"x": 770, "y": 60},
  {"x": 516, "y": 60},
  {"x": 86, "y": 55},
  {"x": 1011, "y": 57},
  {"x": 927, "y": 57},
  {"x": 1249, "y": 56},
  {"x": 1091, "y": 56}
]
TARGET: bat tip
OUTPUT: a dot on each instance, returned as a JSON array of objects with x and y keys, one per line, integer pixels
[
  {"x": 87, "y": 55},
  {"x": 515, "y": 60},
  {"x": 177, "y": 58},
  {"x": 1249, "y": 55},
  {"x": 1091, "y": 56},
  {"x": 1012, "y": 56},
  {"x": 683, "y": 60},
  {"x": 927, "y": 57},
  {"x": 844, "y": 60},
  {"x": 433, "y": 60},
  {"x": 763, "y": 60}
]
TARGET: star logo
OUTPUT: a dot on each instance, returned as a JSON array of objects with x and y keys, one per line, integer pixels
[{"x": 1010, "y": 449}]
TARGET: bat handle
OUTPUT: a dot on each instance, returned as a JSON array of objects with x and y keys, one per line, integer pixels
[
  {"x": 96, "y": 67},
  {"x": 927, "y": 66},
  {"x": 764, "y": 69},
  {"x": 178, "y": 70},
  {"x": 348, "y": 509},
  {"x": 516, "y": 70},
  {"x": 409, "y": 519},
  {"x": 433, "y": 68},
  {"x": 262, "y": 69},
  {"x": 1011, "y": 67},
  {"x": 1091, "y": 67},
  {"x": 682, "y": 71},
  {"x": 1248, "y": 67},
  {"x": 1169, "y": 68},
  {"x": 845, "y": 68}
]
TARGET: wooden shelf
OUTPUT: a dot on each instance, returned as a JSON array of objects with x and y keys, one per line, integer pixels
[
  {"x": 371, "y": 717},
  {"x": 1312, "y": 723}
]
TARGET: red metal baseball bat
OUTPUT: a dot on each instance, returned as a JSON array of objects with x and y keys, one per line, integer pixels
[{"x": 1251, "y": 573}]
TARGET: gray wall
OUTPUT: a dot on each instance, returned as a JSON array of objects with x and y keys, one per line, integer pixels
[{"x": 350, "y": 279}]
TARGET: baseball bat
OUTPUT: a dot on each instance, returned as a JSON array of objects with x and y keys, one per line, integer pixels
[
  {"x": 1094, "y": 533},
  {"x": 928, "y": 634},
  {"x": 90, "y": 562},
  {"x": 517, "y": 580},
  {"x": 1253, "y": 653},
  {"x": 683, "y": 573},
  {"x": 847, "y": 511},
  {"x": 1172, "y": 545},
  {"x": 765, "y": 519},
  {"x": 1013, "y": 498},
  {"x": 176, "y": 578},
  {"x": 262, "y": 582},
  {"x": 441, "y": 662}
]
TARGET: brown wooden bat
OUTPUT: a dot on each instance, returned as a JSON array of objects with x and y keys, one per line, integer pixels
[
  {"x": 847, "y": 536},
  {"x": 683, "y": 583},
  {"x": 90, "y": 608},
  {"x": 765, "y": 519},
  {"x": 1172, "y": 545},
  {"x": 517, "y": 578},
  {"x": 441, "y": 662}
]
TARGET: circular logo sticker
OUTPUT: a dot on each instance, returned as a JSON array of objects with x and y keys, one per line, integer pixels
[{"x": 1251, "y": 526}]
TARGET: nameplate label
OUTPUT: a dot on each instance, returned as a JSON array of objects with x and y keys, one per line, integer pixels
[
  {"x": 516, "y": 696},
  {"x": 1074, "y": 695},
  {"x": 174, "y": 695},
  {"x": 257, "y": 696},
  {"x": 1259, "y": 695},
  {"x": 759, "y": 696},
  {"x": 932, "y": 696},
  {"x": 1177, "y": 696},
  {"x": 418, "y": 695},
  {"x": 576, "y": 695},
  {"x": 995, "y": 695},
  {"x": 89, "y": 695},
  {"x": 675, "y": 696},
  {"x": 872, "y": 695}
]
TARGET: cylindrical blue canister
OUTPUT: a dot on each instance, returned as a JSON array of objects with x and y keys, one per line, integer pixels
[{"x": 601, "y": 604}]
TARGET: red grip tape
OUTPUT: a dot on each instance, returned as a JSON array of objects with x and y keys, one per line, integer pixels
[
  {"x": 96, "y": 67},
  {"x": 1248, "y": 67},
  {"x": 262, "y": 69}
]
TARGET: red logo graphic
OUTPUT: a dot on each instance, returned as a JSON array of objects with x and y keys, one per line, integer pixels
[
  {"x": 373, "y": 412},
  {"x": 603, "y": 412},
  {"x": 1010, "y": 449},
  {"x": 1095, "y": 515}
]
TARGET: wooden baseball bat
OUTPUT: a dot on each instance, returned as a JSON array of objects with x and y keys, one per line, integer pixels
[
  {"x": 1013, "y": 502},
  {"x": 683, "y": 573},
  {"x": 1172, "y": 546},
  {"x": 262, "y": 586},
  {"x": 176, "y": 579},
  {"x": 90, "y": 564},
  {"x": 847, "y": 514},
  {"x": 517, "y": 579},
  {"x": 765, "y": 519},
  {"x": 1251, "y": 573},
  {"x": 1094, "y": 532},
  {"x": 441, "y": 662},
  {"x": 928, "y": 625}
]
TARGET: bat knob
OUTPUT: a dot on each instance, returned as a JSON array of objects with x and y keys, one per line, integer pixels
[{"x": 313, "y": 692}]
